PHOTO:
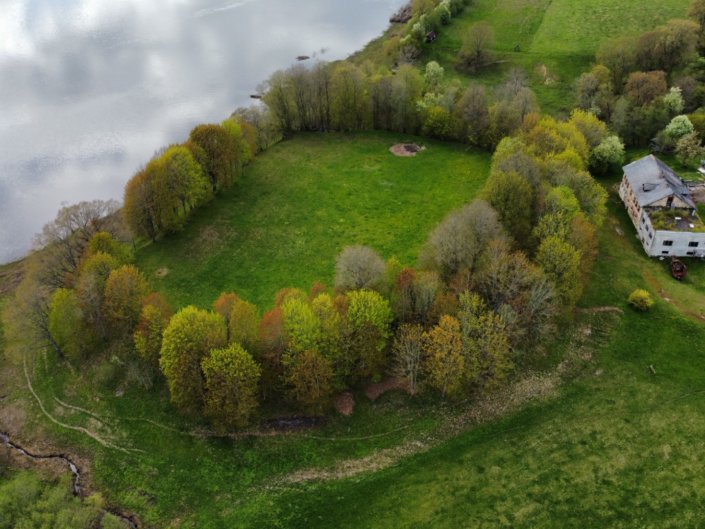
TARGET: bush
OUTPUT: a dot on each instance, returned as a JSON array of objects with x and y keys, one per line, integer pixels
[
  {"x": 358, "y": 267},
  {"x": 641, "y": 300}
]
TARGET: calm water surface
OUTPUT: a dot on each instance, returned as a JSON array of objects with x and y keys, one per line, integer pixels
[{"x": 90, "y": 89}]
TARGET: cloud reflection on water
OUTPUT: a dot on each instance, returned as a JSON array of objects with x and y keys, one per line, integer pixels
[{"x": 90, "y": 89}]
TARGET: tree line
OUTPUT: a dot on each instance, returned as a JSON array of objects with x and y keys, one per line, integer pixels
[{"x": 493, "y": 280}]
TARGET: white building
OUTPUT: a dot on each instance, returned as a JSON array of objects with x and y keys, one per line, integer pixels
[{"x": 662, "y": 210}]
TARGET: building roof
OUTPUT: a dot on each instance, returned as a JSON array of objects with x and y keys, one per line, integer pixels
[{"x": 652, "y": 180}]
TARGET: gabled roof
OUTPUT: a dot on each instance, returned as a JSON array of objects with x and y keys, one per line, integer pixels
[{"x": 652, "y": 180}]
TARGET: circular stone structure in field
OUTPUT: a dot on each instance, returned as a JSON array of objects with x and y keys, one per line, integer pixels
[{"x": 406, "y": 149}]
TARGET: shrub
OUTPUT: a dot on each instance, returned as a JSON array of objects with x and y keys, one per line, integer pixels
[{"x": 640, "y": 299}]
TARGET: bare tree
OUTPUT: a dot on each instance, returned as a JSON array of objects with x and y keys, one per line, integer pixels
[
  {"x": 475, "y": 53},
  {"x": 63, "y": 240},
  {"x": 358, "y": 267},
  {"x": 408, "y": 353}
]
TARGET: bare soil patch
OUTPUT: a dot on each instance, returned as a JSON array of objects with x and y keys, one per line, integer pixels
[
  {"x": 406, "y": 149},
  {"x": 345, "y": 403},
  {"x": 374, "y": 391}
]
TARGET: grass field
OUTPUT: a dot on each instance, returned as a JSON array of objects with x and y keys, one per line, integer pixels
[
  {"x": 554, "y": 41},
  {"x": 622, "y": 446},
  {"x": 301, "y": 203},
  {"x": 619, "y": 446}
]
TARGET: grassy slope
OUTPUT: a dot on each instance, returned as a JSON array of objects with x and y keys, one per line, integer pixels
[
  {"x": 301, "y": 203},
  {"x": 618, "y": 449},
  {"x": 621, "y": 448},
  {"x": 561, "y": 35}
]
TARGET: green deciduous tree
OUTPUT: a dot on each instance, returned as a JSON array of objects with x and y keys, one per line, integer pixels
[
  {"x": 217, "y": 152},
  {"x": 368, "y": 317},
  {"x": 561, "y": 262},
  {"x": 125, "y": 289},
  {"x": 444, "y": 364},
  {"x": 189, "y": 337},
  {"x": 231, "y": 380},
  {"x": 66, "y": 323},
  {"x": 607, "y": 156},
  {"x": 512, "y": 197},
  {"x": 154, "y": 319},
  {"x": 485, "y": 345},
  {"x": 309, "y": 376},
  {"x": 243, "y": 325}
]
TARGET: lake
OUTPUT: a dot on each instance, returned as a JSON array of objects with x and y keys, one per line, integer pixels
[{"x": 89, "y": 90}]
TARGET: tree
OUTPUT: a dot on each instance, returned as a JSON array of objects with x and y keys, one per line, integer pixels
[
  {"x": 310, "y": 375},
  {"x": 475, "y": 53},
  {"x": 331, "y": 328},
  {"x": 593, "y": 130},
  {"x": 189, "y": 337},
  {"x": 102, "y": 241},
  {"x": 217, "y": 153},
  {"x": 644, "y": 87},
  {"x": 678, "y": 127},
  {"x": 231, "y": 379},
  {"x": 90, "y": 289},
  {"x": 358, "y": 267},
  {"x": 140, "y": 208},
  {"x": 224, "y": 304},
  {"x": 619, "y": 56},
  {"x": 125, "y": 289},
  {"x": 406, "y": 90},
  {"x": 457, "y": 241},
  {"x": 485, "y": 345},
  {"x": 433, "y": 76},
  {"x": 562, "y": 200},
  {"x": 561, "y": 262},
  {"x": 444, "y": 364},
  {"x": 64, "y": 239},
  {"x": 368, "y": 317},
  {"x": 179, "y": 185},
  {"x": 154, "y": 319},
  {"x": 512, "y": 197},
  {"x": 350, "y": 104},
  {"x": 668, "y": 46},
  {"x": 279, "y": 98},
  {"x": 473, "y": 112},
  {"x": 674, "y": 100},
  {"x": 408, "y": 354},
  {"x": 607, "y": 156},
  {"x": 697, "y": 13},
  {"x": 66, "y": 323},
  {"x": 243, "y": 325},
  {"x": 689, "y": 150}
]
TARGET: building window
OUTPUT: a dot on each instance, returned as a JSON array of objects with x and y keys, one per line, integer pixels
[
  {"x": 665, "y": 252},
  {"x": 690, "y": 253},
  {"x": 693, "y": 244},
  {"x": 668, "y": 243}
]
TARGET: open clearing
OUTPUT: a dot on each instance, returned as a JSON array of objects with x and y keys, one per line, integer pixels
[{"x": 301, "y": 202}]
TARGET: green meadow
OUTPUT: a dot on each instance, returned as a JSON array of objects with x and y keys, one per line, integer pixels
[
  {"x": 301, "y": 203},
  {"x": 617, "y": 442},
  {"x": 554, "y": 41}
]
